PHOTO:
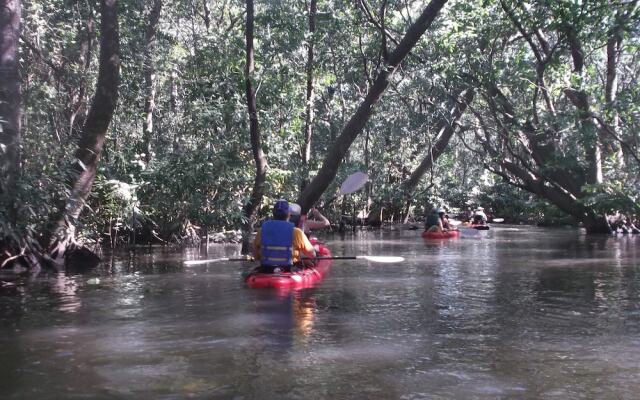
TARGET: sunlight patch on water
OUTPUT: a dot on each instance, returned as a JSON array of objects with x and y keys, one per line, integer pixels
[
  {"x": 353, "y": 354},
  {"x": 573, "y": 262}
]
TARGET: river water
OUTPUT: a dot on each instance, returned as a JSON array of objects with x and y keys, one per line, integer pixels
[{"x": 510, "y": 313}]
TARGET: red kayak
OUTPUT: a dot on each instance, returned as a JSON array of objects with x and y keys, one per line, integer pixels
[
  {"x": 304, "y": 278},
  {"x": 440, "y": 235}
]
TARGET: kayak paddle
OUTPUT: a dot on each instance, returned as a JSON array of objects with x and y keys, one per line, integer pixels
[
  {"x": 497, "y": 220},
  {"x": 378, "y": 259},
  {"x": 212, "y": 260},
  {"x": 353, "y": 183}
]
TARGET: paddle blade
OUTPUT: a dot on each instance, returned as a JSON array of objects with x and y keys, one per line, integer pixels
[
  {"x": 211, "y": 260},
  {"x": 497, "y": 220},
  {"x": 353, "y": 182},
  {"x": 382, "y": 259}
]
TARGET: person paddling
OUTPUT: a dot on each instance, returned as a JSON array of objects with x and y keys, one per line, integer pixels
[
  {"x": 446, "y": 225},
  {"x": 479, "y": 217},
  {"x": 434, "y": 222},
  {"x": 318, "y": 220},
  {"x": 279, "y": 244},
  {"x": 438, "y": 221}
]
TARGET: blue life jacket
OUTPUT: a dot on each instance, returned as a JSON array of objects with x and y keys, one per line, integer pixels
[{"x": 277, "y": 243}]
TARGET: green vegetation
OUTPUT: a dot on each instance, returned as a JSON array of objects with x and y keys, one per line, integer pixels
[{"x": 549, "y": 133}]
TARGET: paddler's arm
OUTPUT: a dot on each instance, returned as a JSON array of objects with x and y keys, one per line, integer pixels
[
  {"x": 319, "y": 221},
  {"x": 256, "y": 246},
  {"x": 302, "y": 243}
]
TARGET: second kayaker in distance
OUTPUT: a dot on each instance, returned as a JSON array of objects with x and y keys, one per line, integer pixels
[
  {"x": 279, "y": 244},
  {"x": 479, "y": 217},
  {"x": 444, "y": 217},
  {"x": 433, "y": 222}
]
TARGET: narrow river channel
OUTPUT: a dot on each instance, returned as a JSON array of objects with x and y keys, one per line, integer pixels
[{"x": 511, "y": 313}]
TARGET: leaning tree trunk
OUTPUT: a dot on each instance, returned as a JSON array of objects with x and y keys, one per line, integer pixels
[
  {"x": 614, "y": 53},
  {"x": 308, "y": 117},
  {"x": 446, "y": 128},
  {"x": 10, "y": 105},
  {"x": 176, "y": 144},
  {"x": 580, "y": 99},
  {"x": 149, "y": 73},
  {"x": 356, "y": 123},
  {"x": 533, "y": 181},
  {"x": 260, "y": 159},
  {"x": 61, "y": 242}
]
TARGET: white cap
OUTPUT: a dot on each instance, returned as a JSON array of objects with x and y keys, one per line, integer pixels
[{"x": 294, "y": 209}]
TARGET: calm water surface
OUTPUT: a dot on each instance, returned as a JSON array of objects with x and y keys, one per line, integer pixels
[{"x": 512, "y": 313}]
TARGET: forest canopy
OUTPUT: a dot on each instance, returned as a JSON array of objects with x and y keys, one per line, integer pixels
[{"x": 124, "y": 119}]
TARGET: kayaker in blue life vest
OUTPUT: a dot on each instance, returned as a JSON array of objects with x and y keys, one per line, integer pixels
[{"x": 279, "y": 244}]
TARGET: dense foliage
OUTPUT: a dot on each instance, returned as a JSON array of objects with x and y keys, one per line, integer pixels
[{"x": 553, "y": 126}]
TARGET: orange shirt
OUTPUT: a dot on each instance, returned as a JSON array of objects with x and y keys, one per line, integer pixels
[{"x": 300, "y": 244}]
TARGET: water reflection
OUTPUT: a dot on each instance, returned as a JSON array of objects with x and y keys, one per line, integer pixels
[
  {"x": 66, "y": 288},
  {"x": 303, "y": 314},
  {"x": 286, "y": 318},
  {"x": 530, "y": 313}
]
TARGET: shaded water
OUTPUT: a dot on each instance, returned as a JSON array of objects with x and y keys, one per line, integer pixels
[{"x": 512, "y": 313}]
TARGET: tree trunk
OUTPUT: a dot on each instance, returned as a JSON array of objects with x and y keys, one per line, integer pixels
[
  {"x": 555, "y": 194},
  {"x": 93, "y": 133},
  {"x": 542, "y": 154},
  {"x": 10, "y": 103},
  {"x": 569, "y": 204},
  {"x": 580, "y": 99},
  {"x": 309, "y": 109},
  {"x": 596, "y": 224},
  {"x": 356, "y": 123},
  {"x": 206, "y": 15},
  {"x": 76, "y": 108},
  {"x": 260, "y": 159},
  {"x": 173, "y": 101},
  {"x": 446, "y": 128},
  {"x": 149, "y": 72},
  {"x": 367, "y": 166},
  {"x": 614, "y": 50}
]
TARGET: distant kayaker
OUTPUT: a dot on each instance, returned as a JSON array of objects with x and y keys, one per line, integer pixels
[
  {"x": 445, "y": 220},
  {"x": 279, "y": 244},
  {"x": 479, "y": 217},
  {"x": 434, "y": 222}
]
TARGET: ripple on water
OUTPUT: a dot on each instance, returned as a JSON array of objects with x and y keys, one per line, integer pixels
[{"x": 527, "y": 314}]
